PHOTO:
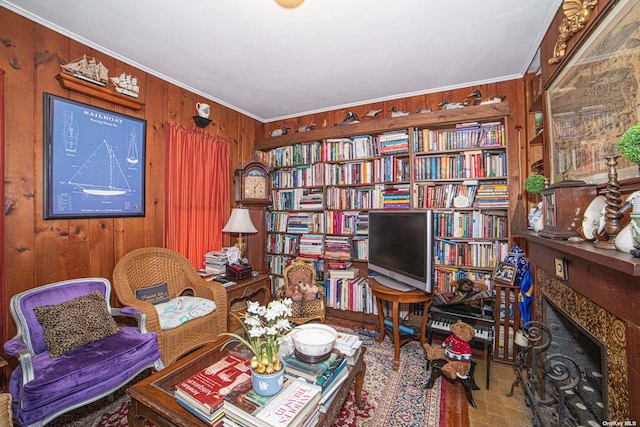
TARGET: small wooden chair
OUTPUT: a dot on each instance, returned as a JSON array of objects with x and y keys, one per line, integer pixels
[
  {"x": 468, "y": 381},
  {"x": 303, "y": 310}
]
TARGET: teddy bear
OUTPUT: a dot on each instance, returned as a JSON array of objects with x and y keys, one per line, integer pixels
[
  {"x": 455, "y": 349},
  {"x": 294, "y": 292},
  {"x": 309, "y": 291},
  {"x": 300, "y": 287}
]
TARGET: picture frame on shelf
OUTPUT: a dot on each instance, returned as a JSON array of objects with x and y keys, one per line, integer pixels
[
  {"x": 585, "y": 109},
  {"x": 94, "y": 161},
  {"x": 504, "y": 273}
]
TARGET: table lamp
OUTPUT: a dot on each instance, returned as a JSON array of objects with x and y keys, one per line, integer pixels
[{"x": 240, "y": 222}]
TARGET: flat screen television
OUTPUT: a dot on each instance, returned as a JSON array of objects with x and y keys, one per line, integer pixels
[{"x": 401, "y": 249}]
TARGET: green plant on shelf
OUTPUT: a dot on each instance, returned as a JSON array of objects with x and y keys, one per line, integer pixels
[
  {"x": 534, "y": 184},
  {"x": 629, "y": 144}
]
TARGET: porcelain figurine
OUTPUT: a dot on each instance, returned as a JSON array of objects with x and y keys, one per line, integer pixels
[{"x": 516, "y": 257}]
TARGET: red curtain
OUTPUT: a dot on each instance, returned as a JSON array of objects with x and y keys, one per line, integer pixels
[{"x": 197, "y": 191}]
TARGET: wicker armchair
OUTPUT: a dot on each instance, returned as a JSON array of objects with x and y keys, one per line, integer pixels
[
  {"x": 6, "y": 416},
  {"x": 146, "y": 267},
  {"x": 303, "y": 310}
]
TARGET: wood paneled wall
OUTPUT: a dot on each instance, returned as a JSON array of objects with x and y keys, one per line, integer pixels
[{"x": 38, "y": 251}]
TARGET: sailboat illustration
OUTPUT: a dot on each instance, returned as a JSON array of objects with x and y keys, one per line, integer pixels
[
  {"x": 132, "y": 150},
  {"x": 70, "y": 132},
  {"x": 101, "y": 174}
]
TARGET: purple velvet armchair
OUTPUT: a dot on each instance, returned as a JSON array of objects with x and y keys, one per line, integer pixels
[{"x": 43, "y": 387}]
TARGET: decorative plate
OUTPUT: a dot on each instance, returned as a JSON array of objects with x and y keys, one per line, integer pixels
[{"x": 594, "y": 218}]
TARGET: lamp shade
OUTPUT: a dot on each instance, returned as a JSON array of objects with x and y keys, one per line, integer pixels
[{"x": 240, "y": 222}]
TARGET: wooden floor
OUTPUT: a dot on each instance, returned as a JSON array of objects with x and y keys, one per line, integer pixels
[{"x": 494, "y": 408}]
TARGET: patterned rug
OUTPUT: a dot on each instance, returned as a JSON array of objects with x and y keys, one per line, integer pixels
[{"x": 393, "y": 398}]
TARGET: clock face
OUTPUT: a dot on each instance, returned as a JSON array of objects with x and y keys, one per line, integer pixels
[
  {"x": 252, "y": 184},
  {"x": 255, "y": 186}
]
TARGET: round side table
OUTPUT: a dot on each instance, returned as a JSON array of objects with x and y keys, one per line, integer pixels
[{"x": 383, "y": 293}]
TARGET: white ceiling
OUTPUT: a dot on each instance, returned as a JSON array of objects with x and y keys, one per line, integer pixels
[{"x": 272, "y": 63}]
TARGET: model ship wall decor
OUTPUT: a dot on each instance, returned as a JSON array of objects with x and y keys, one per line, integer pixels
[
  {"x": 126, "y": 85},
  {"x": 89, "y": 76},
  {"x": 88, "y": 68}
]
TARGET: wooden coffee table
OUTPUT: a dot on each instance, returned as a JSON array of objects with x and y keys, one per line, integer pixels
[{"x": 152, "y": 398}]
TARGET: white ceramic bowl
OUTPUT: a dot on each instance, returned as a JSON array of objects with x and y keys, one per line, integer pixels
[{"x": 314, "y": 339}]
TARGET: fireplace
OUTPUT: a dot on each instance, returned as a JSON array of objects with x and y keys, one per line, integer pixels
[
  {"x": 586, "y": 403},
  {"x": 595, "y": 339}
]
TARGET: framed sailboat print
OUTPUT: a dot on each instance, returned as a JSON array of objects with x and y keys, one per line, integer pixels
[{"x": 94, "y": 161}]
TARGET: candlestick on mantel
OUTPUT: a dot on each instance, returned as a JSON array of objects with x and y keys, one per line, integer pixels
[{"x": 613, "y": 203}]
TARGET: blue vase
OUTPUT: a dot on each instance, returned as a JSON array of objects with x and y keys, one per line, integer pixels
[
  {"x": 267, "y": 384},
  {"x": 516, "y": 257}
]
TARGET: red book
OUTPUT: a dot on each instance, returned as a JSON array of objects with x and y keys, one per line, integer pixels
[{"x": 206, "y": 389}]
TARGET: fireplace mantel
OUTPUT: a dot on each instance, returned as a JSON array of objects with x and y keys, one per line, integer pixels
[
  {"x": 608, "y": 278},
  {"x": 620, "y": 261}
]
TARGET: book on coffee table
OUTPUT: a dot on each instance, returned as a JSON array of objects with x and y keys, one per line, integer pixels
[
  {"x": 312, "y": 372},
  {"x": 290, "y": 407},
  {"x": 206, "y": 389}
]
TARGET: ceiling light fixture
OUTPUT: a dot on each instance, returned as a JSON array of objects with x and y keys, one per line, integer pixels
[{"x": 289, "y": 4}]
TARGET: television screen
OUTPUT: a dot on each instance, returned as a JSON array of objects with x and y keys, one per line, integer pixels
[{"x": 401, "y": 249}]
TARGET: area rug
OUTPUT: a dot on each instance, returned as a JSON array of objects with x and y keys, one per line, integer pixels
[{"x": 393, "y": 398}]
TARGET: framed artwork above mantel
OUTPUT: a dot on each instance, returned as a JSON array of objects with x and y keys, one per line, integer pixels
[{"x": 595, "y": 98}]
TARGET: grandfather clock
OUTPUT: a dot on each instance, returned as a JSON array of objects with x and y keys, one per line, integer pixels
[{"x": 252, "y": 185}]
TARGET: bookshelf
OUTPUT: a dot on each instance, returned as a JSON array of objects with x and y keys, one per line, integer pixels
[{"x": 324, "y": 183}]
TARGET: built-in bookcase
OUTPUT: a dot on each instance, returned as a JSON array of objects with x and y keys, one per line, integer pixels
[{"x": 324, "y": 187}]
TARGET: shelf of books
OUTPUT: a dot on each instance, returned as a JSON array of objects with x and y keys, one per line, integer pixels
[
  {"x": 461, "y": 173},
  {"x": 323, "y": 190}
]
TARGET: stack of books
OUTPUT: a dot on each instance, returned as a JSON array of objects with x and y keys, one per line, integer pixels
[
  {"x": 313, "y": 199},
  {"x": 305, "y": 222},
  {"x": 320, "y": 373},
  {"x": 311, "y": 246},
  {"x": 337, "y": 247},
  {"x": 296, "y": 405},
  {"x": 215, "y": 262},
  {"x": 203, "y": 393},
  {"x": 396, "y": 197},
  {"x": 492, "y": 195},
  {"x": 348, "y": 345},
  {"x": 393, "y": 143},
  {"x": 328, "y": 375},
  {"x": 346, "y": 273}
]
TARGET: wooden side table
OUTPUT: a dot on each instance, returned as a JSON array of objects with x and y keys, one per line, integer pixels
[
  {"x": 256, "y": 289},
  {"x": 383, "y": 293}
]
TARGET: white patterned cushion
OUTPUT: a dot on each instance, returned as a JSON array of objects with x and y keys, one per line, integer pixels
[{"x": 180, "y": 310}]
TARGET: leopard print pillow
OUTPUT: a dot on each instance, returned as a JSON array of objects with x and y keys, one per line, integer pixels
[{"x": 74, "y": 323}]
